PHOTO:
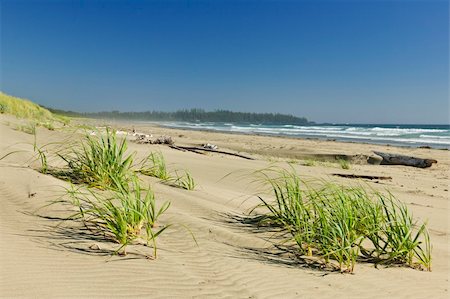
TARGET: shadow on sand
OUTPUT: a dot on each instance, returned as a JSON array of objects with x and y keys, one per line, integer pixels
[
  {"x": 281, "y": 250},
  {"x": 74, "y": 236}
]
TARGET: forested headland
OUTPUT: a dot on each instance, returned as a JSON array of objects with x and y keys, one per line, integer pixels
[{"x": 194, "y": 115}]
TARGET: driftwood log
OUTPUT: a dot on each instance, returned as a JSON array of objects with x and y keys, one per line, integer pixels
[
  {"x": 394, "y": 159},
  {"x": 184, "y": 149},
  {"x": 199, "y": 149},
  {"x": 367, "y": 177}
]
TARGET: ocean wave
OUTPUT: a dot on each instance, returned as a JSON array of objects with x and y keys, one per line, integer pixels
[
  {"x": 408, "y": 130},
  {"x": 406, "y": 136},
  {"x": 434, "y": 136}
]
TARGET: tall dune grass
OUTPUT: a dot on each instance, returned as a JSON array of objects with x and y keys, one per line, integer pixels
[
  {"x": 29, "y": 128},
  {"x": 345, "y": 224},
  {"x": 26, "y": 109},
  {"x": 123, "y": 212},
  {"x": 101, "y": 161},
  {"x": 185, "y": 181},
  {"x": 23, "y": 108},
  {"x": 344, "y": 164},
  {"x": 155, "y": 165},
  {"x": 123, "y": 215}
]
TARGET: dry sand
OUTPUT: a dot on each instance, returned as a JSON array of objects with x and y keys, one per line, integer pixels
[{"x": 44, "y": 257}]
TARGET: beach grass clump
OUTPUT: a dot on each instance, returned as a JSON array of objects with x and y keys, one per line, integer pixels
[
  {"x": 155, "y": 165},
  {"x": 100, "y": 161},
  {"x": 48, "y": 125},
  {"x": 41, "y": 155},
  {"x": 23, "y": 108},
  {"x": 29, "y": 128},
  {"x": 310, "y": 162},
  {"x": 344, "y": 164},
  {"x": 184, "y": 181},
  {"x": 123, "y": 216},
  {"x": 346, "y": 224}
]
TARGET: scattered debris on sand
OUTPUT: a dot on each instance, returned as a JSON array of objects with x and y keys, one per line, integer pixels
[{"x": 210, "y": 146}]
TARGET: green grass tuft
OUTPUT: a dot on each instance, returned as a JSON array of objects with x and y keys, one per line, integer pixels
[
  {"x": 123, "y": 215},
  {"x": 100, "y": 161},
  {"x": 155, "y": 165},
  {"x": 344, "y": 164},
  {"x": 344, "y": 224},
  {"x": 185, "y": 181},
  {"x": 310, "y": 162},
  {"x": 29, "y": 128},
  {"x": 48, "y": 125}
]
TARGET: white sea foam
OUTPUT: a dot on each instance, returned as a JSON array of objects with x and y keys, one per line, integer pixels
[{"x": 406, "y": 136}]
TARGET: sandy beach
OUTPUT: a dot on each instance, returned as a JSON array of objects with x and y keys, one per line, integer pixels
[{"x": 43, "y": 256}]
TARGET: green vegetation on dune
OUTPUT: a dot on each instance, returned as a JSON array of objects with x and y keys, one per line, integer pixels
[
  {"x": 111, "y": 201},
  {"x": 185, "y": 181},
  {"x": 155, "y": 165},
  {"x": 26, "y": 109},
  {"x": 344, "y": 224},
  {"x": 23, "y": 108},
  {"x": 100, "y": 162},
  {"x": 123, "y": 215}
]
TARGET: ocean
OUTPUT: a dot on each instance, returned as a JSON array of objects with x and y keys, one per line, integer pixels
[{"x": 436, "y": 136}]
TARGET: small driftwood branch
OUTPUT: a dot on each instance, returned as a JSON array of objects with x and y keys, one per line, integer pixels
[
  {"x": 394, "y": 159},
  {"x": 368, "y": 177},
  {"x": 185, "y": 149},
  {"x": 197, "y": 149}
]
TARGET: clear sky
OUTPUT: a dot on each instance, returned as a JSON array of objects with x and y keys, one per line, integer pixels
[{"x": 330, "y": 61}]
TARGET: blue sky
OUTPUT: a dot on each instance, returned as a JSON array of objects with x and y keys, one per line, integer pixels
[{"x": 330, "y": 61}]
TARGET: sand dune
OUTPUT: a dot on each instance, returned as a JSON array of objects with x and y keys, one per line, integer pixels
[{"x": 44, "y": 257}]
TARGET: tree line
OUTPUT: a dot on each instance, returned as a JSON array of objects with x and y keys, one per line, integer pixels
[{"x": 193, "y": 115}]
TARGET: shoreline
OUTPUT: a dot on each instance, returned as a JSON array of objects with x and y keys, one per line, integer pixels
[
  {"x": 287, "y": 147},
  {"x": 349, "y": 139}
]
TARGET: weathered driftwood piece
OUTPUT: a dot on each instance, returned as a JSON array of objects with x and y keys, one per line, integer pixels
[
  {"x": 374, "y": 160},
  {"x": 147, "y": 139},
  {"x": 394, "y": 159},
  {"x": 163, "y": 140},
  {"x": 193, "y": 148},
  {"x": 177, "y": 148},
  {"x": 368, "y": 177},
  {"x": 185, "y": 149},
  {"x": 142, "y": 138}
]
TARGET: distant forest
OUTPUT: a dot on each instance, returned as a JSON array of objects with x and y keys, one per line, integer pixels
[{"x": 194, "y": 115}]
